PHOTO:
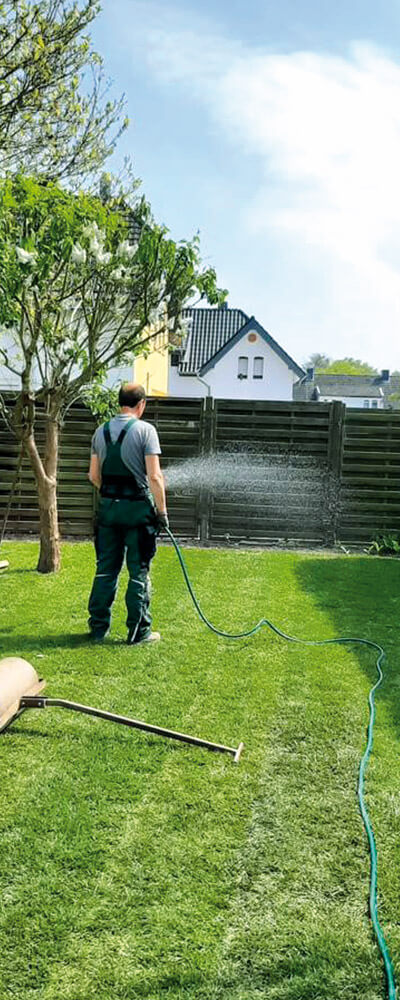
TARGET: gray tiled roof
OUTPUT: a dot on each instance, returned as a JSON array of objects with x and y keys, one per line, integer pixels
[
  {"x": 213, "y": 332},
  {"x": 210, "y": 329},
  {"x": 348, "y": 385},
  {"x": 355, "y": 386}
]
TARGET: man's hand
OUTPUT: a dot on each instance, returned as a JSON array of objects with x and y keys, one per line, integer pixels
[{"x": 162, "y": 521}]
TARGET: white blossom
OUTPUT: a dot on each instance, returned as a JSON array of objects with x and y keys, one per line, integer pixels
[
  {"x": 95, "y": 245},
  {"x": 102, "y": 258},
  {"x": 24, "y": 256},
  {"x": 127, "y": 249},
  {"x": 78, "y": 254},
  {"x": 92, "y": 229}
]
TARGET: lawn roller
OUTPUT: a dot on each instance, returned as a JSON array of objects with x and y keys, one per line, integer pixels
[{"x": 20, "y": 689}]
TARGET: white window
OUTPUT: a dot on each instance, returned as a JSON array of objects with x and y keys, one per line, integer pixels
[
  {"x": 366, "y": 404},
  {"x": 258, "y": 368},
  {"x": 243, "y": 367},
  {"x": 374, "y": 404}
]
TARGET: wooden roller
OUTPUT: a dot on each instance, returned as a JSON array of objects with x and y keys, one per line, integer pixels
[{"x": 17, "y": 678}]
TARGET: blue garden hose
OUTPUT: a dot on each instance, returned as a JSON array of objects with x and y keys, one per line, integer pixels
[{"x": 373, "y": 902}]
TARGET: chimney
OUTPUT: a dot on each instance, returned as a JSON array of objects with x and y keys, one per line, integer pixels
[
  {"x": 176, "y": 357},
  {"x": 385, "y": 375},
  {"x": 224, "y": 305},
  {"x": 310, "y": 374}
]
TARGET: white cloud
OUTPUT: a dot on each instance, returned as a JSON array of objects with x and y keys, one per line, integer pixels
[{"x": 326, "y": 130}]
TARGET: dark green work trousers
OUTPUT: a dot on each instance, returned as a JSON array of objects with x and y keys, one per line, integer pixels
[{"x": 123, "y": 526}]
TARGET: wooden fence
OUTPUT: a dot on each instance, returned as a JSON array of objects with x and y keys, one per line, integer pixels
[
  {"x": 369, "y": 474},
  {"x": 314, "y": 473}
]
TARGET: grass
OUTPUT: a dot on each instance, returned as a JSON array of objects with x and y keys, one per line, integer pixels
[{"x": 132, "y": 867}]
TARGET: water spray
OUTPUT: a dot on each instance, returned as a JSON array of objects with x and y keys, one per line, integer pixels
[{"x": 346, "y": 640}]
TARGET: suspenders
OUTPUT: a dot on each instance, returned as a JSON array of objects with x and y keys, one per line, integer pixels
[{"x": 117, "y": 480}]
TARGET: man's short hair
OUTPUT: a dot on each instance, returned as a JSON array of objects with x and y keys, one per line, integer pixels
[{"x": 131, "y": 394}]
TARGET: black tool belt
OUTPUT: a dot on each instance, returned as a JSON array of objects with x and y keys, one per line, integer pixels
[{"x": 121, "y": 488}]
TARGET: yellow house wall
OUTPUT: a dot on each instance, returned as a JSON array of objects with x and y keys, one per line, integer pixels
[{"x": 152, "y": 371}]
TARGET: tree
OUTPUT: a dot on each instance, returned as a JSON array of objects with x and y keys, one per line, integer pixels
[
  {"x": 76, "y": 297},
  {"x": 342, "y": 366},
  {"x": 317, "y": 361},
  {"x": 53, "y": 118}
]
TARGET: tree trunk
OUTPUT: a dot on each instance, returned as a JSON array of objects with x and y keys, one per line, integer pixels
[
  {"x": 50, "y": 554},
  {"x": 45, "y": 473}
]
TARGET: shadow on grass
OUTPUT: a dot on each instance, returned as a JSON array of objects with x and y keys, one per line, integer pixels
[
  {"x": 10, "y": 642},
  {"x": 148, "y": 749},
  {"x": 21, "y": 570},
  {"x": 12, "y": 730},
  {"x": 362, "y": 597}
]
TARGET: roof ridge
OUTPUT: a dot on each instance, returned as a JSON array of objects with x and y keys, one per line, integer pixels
[{"x": 215, "y": 310}]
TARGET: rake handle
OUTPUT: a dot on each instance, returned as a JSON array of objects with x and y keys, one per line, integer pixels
[{"x": 123, "y": 720}]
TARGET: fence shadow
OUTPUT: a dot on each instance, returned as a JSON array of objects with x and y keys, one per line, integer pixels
[{"x": 361, "y": 595}]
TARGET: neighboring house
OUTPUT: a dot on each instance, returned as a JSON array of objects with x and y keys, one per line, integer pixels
[
  {"x": 152, "y": 370},
  {"x": 229, "y": 355},
  {"x": 361, "y": 391},
  {"x": 10, "y": 381}
]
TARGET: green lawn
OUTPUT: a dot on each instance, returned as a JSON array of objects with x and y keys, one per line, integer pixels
[{"x": 132, "y": 867}]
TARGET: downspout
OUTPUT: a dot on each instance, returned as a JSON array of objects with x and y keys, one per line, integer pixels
[{"x": 208, "y": 387}]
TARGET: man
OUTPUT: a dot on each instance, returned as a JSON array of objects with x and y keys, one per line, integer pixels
[{"x": 124, "y": 463}]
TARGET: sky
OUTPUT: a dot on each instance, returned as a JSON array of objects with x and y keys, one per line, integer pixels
[{"x": 272, "y": 127}]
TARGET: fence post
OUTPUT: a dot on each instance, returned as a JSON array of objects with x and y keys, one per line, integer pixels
[
  {"x": 335, "y": 463},
  {"x": 206, "y": 441}
]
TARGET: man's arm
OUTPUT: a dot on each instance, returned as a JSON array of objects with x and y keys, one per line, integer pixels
[
  {"x": 156, "y": 482},
  {"x": 94, "y": 473}
]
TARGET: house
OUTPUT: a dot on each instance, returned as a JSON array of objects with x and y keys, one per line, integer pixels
[
  {"x": 373, "y": 392},
  {"x": 229, "y": 355},
  {"x": 152, "y": 370}
]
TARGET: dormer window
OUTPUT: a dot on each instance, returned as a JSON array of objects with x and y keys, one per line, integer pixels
[
  {"x": 258, "y": 368},
  {"x": 243, "y": 367}
]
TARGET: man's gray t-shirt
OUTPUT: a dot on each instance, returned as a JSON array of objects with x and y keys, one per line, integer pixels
[{"x": 140, "y": 440}]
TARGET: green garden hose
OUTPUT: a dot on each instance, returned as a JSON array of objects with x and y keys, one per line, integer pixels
[{"x": 264, "y": 622}]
